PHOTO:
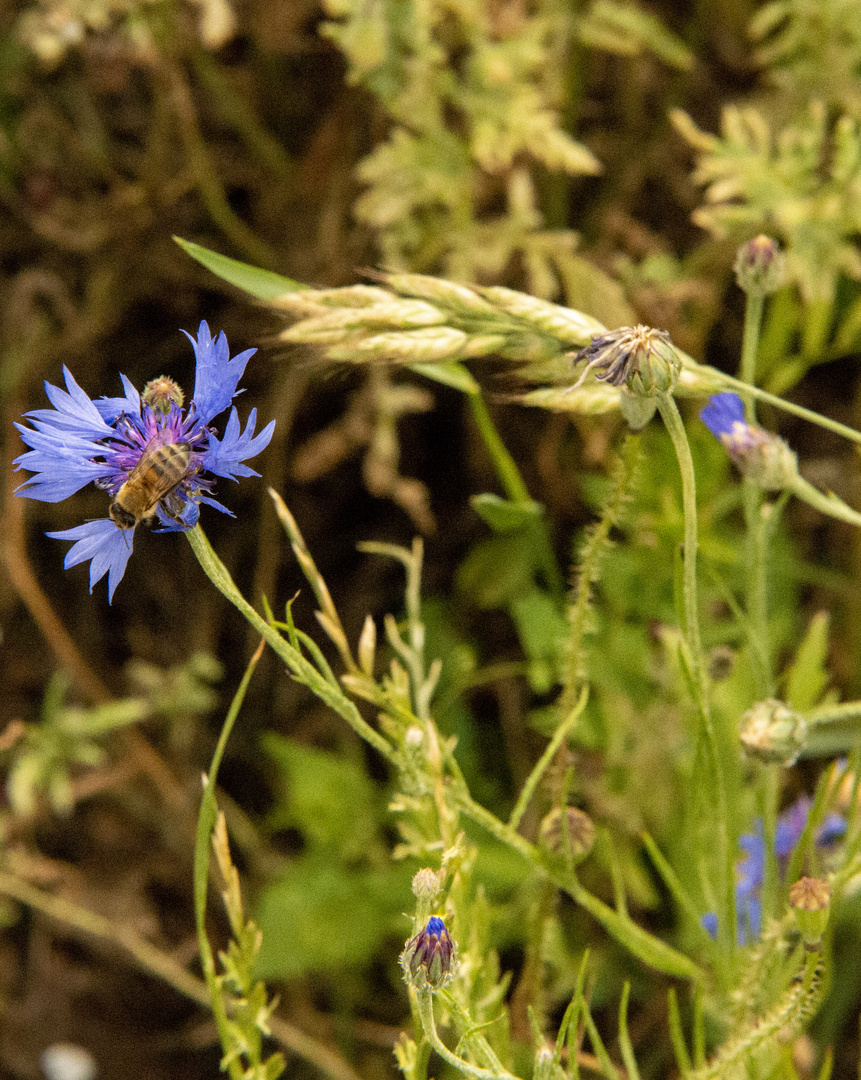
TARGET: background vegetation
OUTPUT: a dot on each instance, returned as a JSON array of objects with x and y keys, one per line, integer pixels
[{"x": 604, "y": 156}]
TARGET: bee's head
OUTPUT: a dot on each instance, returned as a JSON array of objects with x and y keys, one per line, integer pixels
[{"x": 121, "y": 517}]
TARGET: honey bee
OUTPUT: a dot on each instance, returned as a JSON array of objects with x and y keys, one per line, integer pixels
[{"x": 151, "y": 481}]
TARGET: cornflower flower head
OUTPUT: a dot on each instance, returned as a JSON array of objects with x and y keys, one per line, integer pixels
[
  {"x": 154, "y": 459},
  {"x": 758, "y": 454},
  {"x": 750, "y": 869},
  {"x": 430, "y": 958},
  {"x": 638, "y": 357}
]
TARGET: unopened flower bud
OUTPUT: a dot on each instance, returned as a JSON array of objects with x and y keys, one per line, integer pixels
[
  {"x": 771, "y": 731},
  {"x": 430, "y": 957},
  {"x": 721, "y": 661},
  {"x": 638, "y": 357},
  {"x": 760, "y": 266},
  {"x": 810, "y": 899},
  {"x": 426, "y": 886},
  {"x": 760, "y": 455},
  {"x": 159, "y": 393},
  {"x": 573, "y": 837}
]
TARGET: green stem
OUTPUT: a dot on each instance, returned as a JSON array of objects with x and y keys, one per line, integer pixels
[
  {"x": 758, "y": 533},
  {"x": 561, "y": 733},
  {"x": 299, "y": 667},
  {"x": 676, "y": 429},
  {"x": 827, "y": 504},
  {"x": 514, "y": 487},
  {"x": 797, "y": 1004},
  {"x": 749, "y": 349},
  {"x": 424, "y": 1000},
  {"x": 506, "y": 469},
  {"x": 756, "y": 526},
  {"x": 205, "y": 825},
  {"x": 743, "y": 388}
]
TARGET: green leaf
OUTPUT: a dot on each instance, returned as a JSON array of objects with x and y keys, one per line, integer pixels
[
  {"x": 807, "y": 677},
  {"x": 541, "y": 626},
  {"x": 452, "y": 374},
  {"x": 503, "y": 515},
  {"x": 543, "y": 631},
  {"x": 321, "y": 916},
  {"x": 264, "y": 284},
  {"x": 623, "y": 29},
  {"x": 497, "y": 569},
  {"x": 328, "y": 798}
]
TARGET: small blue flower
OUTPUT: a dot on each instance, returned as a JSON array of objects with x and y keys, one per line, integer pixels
[
  {"x": 176, "y": 453},
  {"x": 429, "y": 958},
  {"x": 750, "y": 869},
  {"x": 722, "y": 413},
  {"x": 759, "y": 455}
]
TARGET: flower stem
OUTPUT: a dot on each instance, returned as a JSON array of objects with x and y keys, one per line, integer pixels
[
  {"x": 797, "y": 1005},
  {"x": 424, "y": 999},
  {"x": 676, "y": 429},
  {"x": 327, "y": 689},
  {"x": 750, "y": 345},
  {"x": 717, "y": 779},
  {"x": 205, "y": 824},
  {"x": 755, "y": 522},
  {"x": 827, "y": 504},
  {"x": 515, "y": 488}
]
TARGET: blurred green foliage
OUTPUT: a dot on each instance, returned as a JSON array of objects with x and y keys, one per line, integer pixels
[{"x": 522, "y": 145}]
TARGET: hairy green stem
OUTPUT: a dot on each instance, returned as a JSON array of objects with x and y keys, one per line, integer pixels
[
  {"x": 299, "y": 667},
  {"x": 676, "y": 429},
  {"x": 424, "y": 1000},
  {"x": 797, "y": 1005}
]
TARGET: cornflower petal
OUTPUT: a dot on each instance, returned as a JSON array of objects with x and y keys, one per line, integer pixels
[
  {"x": 73, "y": 412},
  {"x": 62, "y": 465},
  {"x": 107, "y": 547},
  {"x": 216, "y": 376},
  {"x": 224, "y": 457},
  {"x": 722, "y": 413},
  {"x": 112, "y": 408}
]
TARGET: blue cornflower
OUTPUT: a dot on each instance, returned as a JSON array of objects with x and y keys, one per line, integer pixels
[
  {"x": 750, "y": 869},
  {"x": 758, "y": 454},
  {"x": 171, "y": 456},
  {"x": 430, "y": 957},
  {"x": 722, "y": 413}
]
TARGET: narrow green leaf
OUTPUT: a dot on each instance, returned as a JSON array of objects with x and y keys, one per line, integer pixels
[
  {"x": 453, "y": 374},
  {"x": 807, "y": 677},
  {"x": 503, "y": 515},
  {"x": 264, "y": 284}
]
